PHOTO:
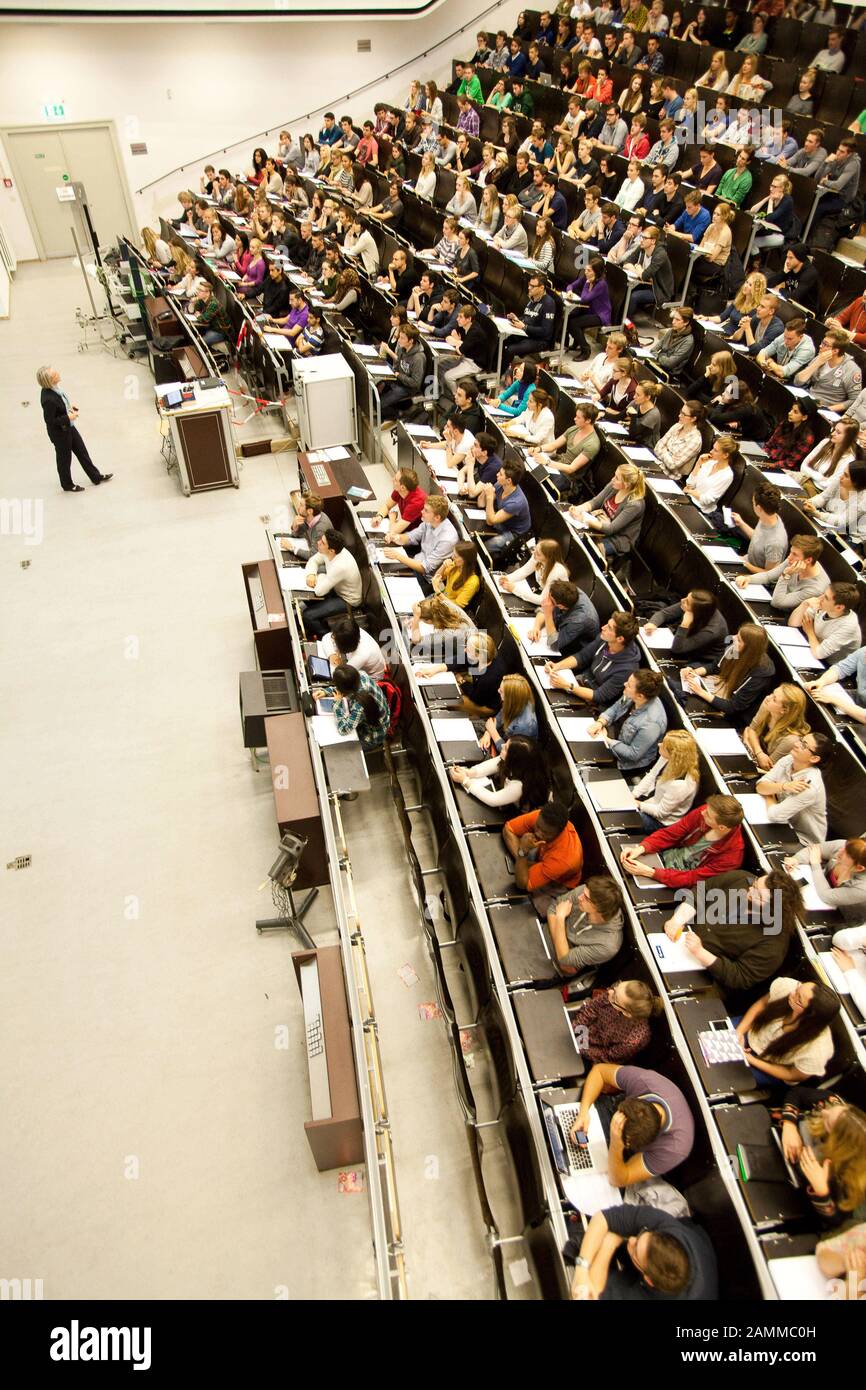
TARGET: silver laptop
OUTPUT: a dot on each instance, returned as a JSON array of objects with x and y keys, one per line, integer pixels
[{"x": 582, "y": 1167}]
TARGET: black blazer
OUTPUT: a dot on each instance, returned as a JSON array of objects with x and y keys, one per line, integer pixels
[{"x": 54, "y": 412}]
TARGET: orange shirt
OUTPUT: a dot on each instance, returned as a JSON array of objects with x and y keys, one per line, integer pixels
[{"x": 559, "y": 861}]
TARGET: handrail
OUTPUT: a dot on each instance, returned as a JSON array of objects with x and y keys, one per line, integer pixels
[{"x": 333, "y": 101}]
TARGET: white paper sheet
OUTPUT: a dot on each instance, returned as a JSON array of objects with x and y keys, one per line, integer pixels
[
  {"x": 755, "y": 808},
  {"x": 798, "y": 1278},
  {"x": 404, "y": 592},
  {"x": 295, "y": 580},
  {"x": 661, "y": 640},
  {"x": 277, "y": 342},
  {"x": 722, "y": 743},
  {"x": 575, "y": 728},
  {"x": 453, "y": 731},
  {"x": 671, "y": 956},
  {"x": 443, "y": 680},
  {"x": 721, "y": 554},
  {"x": 521, "y": 627},
  {"x": 326, "y": 733},
  {"x": 756, "y": 593},
  {"x": 789, "y": 482},
  {"x": 612, "y": 794},
  {"x": 786, "y": 636},
  {"x": 669, "y": 486}
]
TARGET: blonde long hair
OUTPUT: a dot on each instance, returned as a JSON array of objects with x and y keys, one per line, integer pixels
[
  {"x": 441, "y": 613},
  {"x": 516, "y": 696},
  {"x": 681, "y": 752},
  {"x": 791, "y": 721},
  {"x": 845, "y": 1146},
  {"x": 634, "y": 479},
  {"x": 751, "y": 292}
]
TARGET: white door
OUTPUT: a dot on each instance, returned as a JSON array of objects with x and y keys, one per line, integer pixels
[
  {"x": 44, "y": 160},
  {"x": 39, "y": 163},
  {"x": 91, "y": 158}
]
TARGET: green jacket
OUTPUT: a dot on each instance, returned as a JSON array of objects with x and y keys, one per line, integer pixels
[
  {"x": 523, "y": 105},
  {"x": 471, "y": 89},
  {"x": 734, "y": 186}
]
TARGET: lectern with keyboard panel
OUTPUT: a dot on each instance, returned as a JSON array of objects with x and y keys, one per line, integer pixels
[{"x": 335, "y": 1131}]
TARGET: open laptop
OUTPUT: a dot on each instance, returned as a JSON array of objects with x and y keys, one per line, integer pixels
[{"x": 582, "y": 1167}]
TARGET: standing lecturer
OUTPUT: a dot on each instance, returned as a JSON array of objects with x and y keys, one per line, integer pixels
[{"x": 60, "y": 416}]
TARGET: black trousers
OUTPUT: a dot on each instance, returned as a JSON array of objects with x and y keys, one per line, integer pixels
[{"x": 65, "y": 446}]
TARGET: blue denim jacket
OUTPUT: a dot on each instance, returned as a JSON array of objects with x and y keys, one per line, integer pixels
[
  {"x": 856, "y": 662},
  {"x": 526, "y": 724},
  {"x": 640, "y": 734}
]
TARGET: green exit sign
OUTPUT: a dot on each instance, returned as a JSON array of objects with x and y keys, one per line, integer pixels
[{"x": 54, "y": 111}]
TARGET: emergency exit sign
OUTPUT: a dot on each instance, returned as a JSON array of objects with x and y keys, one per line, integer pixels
[{"x": 54, "y": 111}]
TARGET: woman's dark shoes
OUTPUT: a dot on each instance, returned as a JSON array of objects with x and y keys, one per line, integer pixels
[
  {"x": 74, "y": 488},
  {"x": 106, "y": 478}
]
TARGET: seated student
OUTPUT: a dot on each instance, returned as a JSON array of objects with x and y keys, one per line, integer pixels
[
  {"x": 793, "y": 788},
  {"x": 512, "y": 400},
  {"x": 547, "y": 853},
  {"x": 670, "y": 1258},
  {"x": 613, "y": 1026},
  {"x": 831, "y": 625},
  {"x": 768, "y": 539},
  {"x": 777, "y": 726},
  {"x": 827, "y": 689},
  {"x": 481, "y": 454},
  {"x": 310, "y": 523},
  {"x": 545, "y": 565},
  {"x": 435, "y": 536},
  {"x": 668, "y": 790},
  {"x": 567, "y": 618},
  {"x": 616, "y": 514},
  {"x": 516, "y": 716},
  {"x": 585, "y": 925},
  {"x": 838, "y": 873},
  {"x": 441, "y": 628},
  {"x": 348, "y": 644},
  {"x": 711, "y": 477},
  {"x": 705, "y": 842},
  {"x": 457, "y": 578},
  {"x": 679, "y": 448},
  {"x": 518, "y": 776},
  {"x": 361, "y": 707},
  {"x": 786, "y": 1034},
  {"x": 744, "y": 675},
  {"x": 295, "y": 321},
  {"x": 603, "y": 664},
  {"x": 409, "y": 368},
  {"x": 404, "y": 506},
  {"x": 798, "y": 577},
  {"x": 210, "y": 318},
  {"x": 458, "y": 444},
  {"x": 334, "y": 577},
  {"x": 311, "y": 339},
  {"x": 829, "y": 457},
  {"x": 700, "y": 627},
  {"x": 579, "y": 445},
  {"x": 536, "y": 427},
  {"x": 617, "y": 394},
  {"x": 641, "y": 718},
  {"x": 842, "y": 504},
  {"x": 653, "y": 1123},
  {"x": 825, "y": 1136},
  {"x": 752, "y": 924},
  {"x": 506, "y": 508}
]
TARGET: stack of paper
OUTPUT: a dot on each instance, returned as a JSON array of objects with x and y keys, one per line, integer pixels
[
  {"x": 404, "y": 592},
  {"x": 325, "y": 731},
  {"x": 798, "y": 1278},
  {"x": 521, "y": 627},
  {"x": 421, "y": 431},
  {"x": 661, "y": 640},
  {"x": 722, "y": 743},
  {"x": 575, "y": 729},
  {"x": 668, "y": 486},
  {"x": 755, "y": 808},
  {"x": 721, "y": 554},
  {"x": 277, "y": 342},
  {"x": 611, "y": 794},
  {"x": 443, "y": 680},
  {"x": 329, "y": 455},
  {"x": 670, "y": 956},
  {"x": 453, "y": 731}
]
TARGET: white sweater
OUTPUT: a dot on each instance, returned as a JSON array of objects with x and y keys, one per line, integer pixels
[
  {"x": 671, "y": 800},
  {"x": 509, "y": 795},
  {"x": 535, "y": 429},
  {"x": 367, "y": 656},
  {"x": 521, "y": 589},
  {"x": 340, "y": 575},
  {"x": 853, "y": 940}
]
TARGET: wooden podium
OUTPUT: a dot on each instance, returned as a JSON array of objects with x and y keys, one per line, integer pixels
[{"x": 335, "y": 1132}]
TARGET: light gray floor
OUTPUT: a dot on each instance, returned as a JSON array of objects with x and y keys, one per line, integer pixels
[{"x": 153, "y": 1142}]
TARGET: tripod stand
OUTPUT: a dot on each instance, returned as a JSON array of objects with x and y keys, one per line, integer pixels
[{"x": 282, "y": 874}]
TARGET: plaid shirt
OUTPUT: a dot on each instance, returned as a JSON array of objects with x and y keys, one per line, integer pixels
[
  {"x": 789, "y": 453},
  {"x": 469, "y": 121}
]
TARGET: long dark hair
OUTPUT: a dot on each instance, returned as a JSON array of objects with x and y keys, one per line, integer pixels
[
  {"x": 525, "y": 762},
  {"x": 704, "y": 605},
  {"x": 348, "y": 682},
  {"x": 812, "y": 1021}
]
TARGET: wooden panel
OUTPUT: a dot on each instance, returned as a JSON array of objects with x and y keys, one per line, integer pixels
[
  {"x": 204, "y": 449},
  {"x": 339, "y": 1141},
  {"x": 296, "y": 800}
]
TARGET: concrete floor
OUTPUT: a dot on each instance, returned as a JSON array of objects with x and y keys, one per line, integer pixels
[{"x": 153, "y": 1144}]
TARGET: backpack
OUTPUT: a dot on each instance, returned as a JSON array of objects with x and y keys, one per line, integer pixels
[{"x": 394, "y": 697}]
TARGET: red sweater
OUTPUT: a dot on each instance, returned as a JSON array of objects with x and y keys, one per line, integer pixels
[
  {"x": 719, "y": 856},
  {"x": 853, "y": 317}
]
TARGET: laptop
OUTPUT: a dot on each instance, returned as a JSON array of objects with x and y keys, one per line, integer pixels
[{"x": 582, "y": 1168}]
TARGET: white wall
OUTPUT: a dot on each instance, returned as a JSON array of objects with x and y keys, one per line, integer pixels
[{"x": 192, "y": 89}]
